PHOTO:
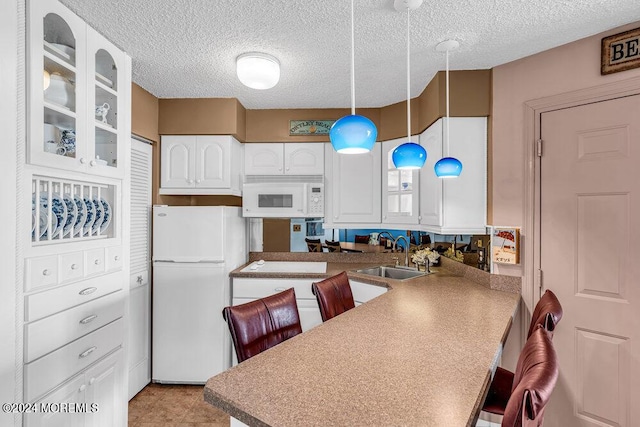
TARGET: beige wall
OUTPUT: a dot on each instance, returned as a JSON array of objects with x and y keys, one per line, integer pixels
[{"x": 144, "y": 113}]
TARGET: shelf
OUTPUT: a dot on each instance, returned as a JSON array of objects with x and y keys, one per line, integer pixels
[
  {"x": 61, "y": 117},
  {"x": 60, "y": 56},
  {"x": 106, "y": 88},
  {"x": 105, "y": 127},
  {"x": 54, "y": 65}
]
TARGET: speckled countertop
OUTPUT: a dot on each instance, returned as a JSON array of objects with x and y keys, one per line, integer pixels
[{"x": 419, "y": 355}]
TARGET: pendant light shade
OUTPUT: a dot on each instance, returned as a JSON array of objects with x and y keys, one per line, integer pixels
[
  {"x": 448, "y": 167},
  {"x": 353, "y": 134},
  {"x": 408, "y": 155}
]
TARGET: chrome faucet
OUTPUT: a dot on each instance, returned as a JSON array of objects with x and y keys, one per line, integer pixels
[{"x": 406, "y": 249}]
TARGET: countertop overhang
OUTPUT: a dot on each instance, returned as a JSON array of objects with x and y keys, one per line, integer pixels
[{"x": 421, "y": 354}]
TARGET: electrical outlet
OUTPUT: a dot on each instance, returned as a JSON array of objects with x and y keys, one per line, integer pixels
[{"x": 297, "y": 227}]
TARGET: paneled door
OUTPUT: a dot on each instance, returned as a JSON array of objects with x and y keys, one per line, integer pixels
[{"x": 589, "y": 256}]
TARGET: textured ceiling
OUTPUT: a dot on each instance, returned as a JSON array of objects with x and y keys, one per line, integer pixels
[{"x": 187, "y": 48}]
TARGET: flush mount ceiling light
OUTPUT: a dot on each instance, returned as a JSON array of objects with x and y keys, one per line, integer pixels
[
  {"x": 448, "y": 167},
  {"x": 353, "y": 134},
  {"x": 408, "y": 155},
  {"x": 258, "y": 70}
]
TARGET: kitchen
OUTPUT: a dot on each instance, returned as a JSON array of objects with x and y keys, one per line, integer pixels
[{"x": 567, "y": 69}]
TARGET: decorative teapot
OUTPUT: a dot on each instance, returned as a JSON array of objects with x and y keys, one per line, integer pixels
[{"x": 374, "y": 239}]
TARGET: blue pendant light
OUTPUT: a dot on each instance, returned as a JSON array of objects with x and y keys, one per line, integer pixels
[
  {"x": 448, "y": 167},
  {"x": 408, "y": 155},
  {"x": 353, "y": 134}
]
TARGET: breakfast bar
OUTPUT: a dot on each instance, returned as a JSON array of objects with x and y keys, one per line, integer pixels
[{"x": 422, "y": 354}]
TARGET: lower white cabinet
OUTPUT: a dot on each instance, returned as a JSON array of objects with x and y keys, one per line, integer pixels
[
  {"x": 363, "y": 292},
  {"x": 91, "y": 398},
  {"x": 139, "y": 352}
]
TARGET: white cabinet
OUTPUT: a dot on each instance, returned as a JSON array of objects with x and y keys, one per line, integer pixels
[
  {"x": 353, "y": 186},
  {"x": 82, "y": 71},
  {"x": 284, "y": 159},
  {"x": 200, "y": 164},
  {"x": 363, "y": 292},
  {"x": 400, "y": 188},
  {"x": 455, "y": 206},
  {"x": 93, "y": 398}
]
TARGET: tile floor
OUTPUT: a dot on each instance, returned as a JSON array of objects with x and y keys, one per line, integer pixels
[{"x": 174, "y": 406}]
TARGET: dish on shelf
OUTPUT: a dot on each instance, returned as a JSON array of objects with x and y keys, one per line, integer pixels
[
  {"x": 105, "y": 81},
  {"x": 68, "y": 142},
  {"x": 99, "y": 212},
  {"x": 81, "y": 217},
  {"x": 44, "y": 223},
  {"x": 61, "y": 51},
  {"x": 72, "y": 214},
  {"x": 91, "y": 216},
  {"x": 106, "y": 217},
  {"x": 61, "y": 91},
  {"x": 59, "y": 211}
]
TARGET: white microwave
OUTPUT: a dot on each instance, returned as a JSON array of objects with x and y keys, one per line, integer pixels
[{"x": 283, "y": 199}]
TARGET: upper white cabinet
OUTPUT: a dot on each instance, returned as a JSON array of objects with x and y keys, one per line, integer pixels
[
  {"x": 79, "y": 90},
  {"x": 400, "y": 188},
  {"x": 284, "y": 159},
  {"x": 200, "y": 164},
  {"x": 455, "y": 206},
  {"x": 353, "y": 186}
]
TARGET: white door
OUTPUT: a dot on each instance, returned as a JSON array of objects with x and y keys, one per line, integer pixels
[
  {"x": 212, "y": 161},
  {"x": 177, "y": 162},
  {"x": 590, "y": 205},
  {"x": 263, "y": 159},
  {"x": 304, "y": 159}
]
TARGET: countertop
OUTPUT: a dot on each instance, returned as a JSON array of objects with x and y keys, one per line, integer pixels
[{"x": 419, "y": 355}]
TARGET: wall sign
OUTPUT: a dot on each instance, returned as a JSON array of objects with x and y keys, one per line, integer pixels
[
  {"x": 621, "y": 52},
  {"x": 505, "y": 245},
  {"x": 310, "y": 127}
]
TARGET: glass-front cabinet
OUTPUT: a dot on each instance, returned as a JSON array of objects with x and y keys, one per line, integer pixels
[
  {"x": 76, "y": 89},
  {"x": 400, "y": 188}
]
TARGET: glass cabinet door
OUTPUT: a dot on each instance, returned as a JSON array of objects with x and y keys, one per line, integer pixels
[
  {"x": 57, "y": 94},
  {"x": 399, "y": 189}
]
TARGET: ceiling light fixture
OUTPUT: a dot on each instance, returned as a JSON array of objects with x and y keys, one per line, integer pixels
[
  {"x": 258, "y": 70},
  {"x": 448, "y": 167},
  {"x": 353, "y": 134},
  {"x": 408, "y": 155}
]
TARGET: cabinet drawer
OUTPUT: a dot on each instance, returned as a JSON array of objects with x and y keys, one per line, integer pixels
[
  {"x": 114, "y": 258},
  {"x": 41, "y": 271},
  {"x": 47, "y": 372},
  {"x": 71, "y": 266},
  {"x": 94, "y": 261},
  {"x": 51, "y": 333},
  {"x": 52, "y": 301},
  {"x": 259, "y": 288}
]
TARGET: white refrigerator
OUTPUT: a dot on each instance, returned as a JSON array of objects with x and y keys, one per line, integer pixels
[{"x": 194, "y": 249}]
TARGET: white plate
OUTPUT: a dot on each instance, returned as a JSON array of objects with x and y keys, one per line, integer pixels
[
  {"x": 59, "y": 211},
  {"x": 106, "y": 217},
  {"x": 99, "y": 213},
  {"x": 72, "y": 214},
  {"x": 91, "y": 216},
  {"x": 44, "y": 223},
  {"x": 82, "y": 215}
]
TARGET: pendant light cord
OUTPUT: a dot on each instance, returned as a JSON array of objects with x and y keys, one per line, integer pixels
[
  {"x": 353, "y": 63},
  {"x": 447, "y": 78},
  {"x": 408, "y": 82}
]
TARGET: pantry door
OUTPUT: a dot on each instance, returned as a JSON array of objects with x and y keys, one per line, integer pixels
[{"x": 590, "y": 257}]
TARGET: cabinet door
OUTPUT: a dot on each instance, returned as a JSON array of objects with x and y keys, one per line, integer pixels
[
  {"x": 57, "y": 50},
  {"x": 400, "y": 188},
  {"x": 139, "y": 339},
  {"x": 356, "y": 183},
  {"x": 303, "y": 159},
  {"x": 363, "y": 292},
  {"x": 213, "y": 161},
  {"x": 263, "y": 159},
  {"x": 178, "y": 159},
  {"x": 73, "y": 392},
  {"x": 430, "y": 185},
  {"x": 105, "y": 389},
  {"x": 309, "y": 313},
  {"x": 107, "y": 108}
]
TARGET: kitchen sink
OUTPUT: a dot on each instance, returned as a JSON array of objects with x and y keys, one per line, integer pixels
[{"x": 397, "y": 273}]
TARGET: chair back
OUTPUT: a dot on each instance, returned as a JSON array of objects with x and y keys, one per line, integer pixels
[
  {"x": 534, "y": 380},
  {"x": 314, "y": 245},
  {"x": 547, "y": 313},
  {"x": 261, "y": 324},
  {"x": 334, "y": 295},
  {"x": 361, "y": 238},
  {"x": 333, "y": 246}
]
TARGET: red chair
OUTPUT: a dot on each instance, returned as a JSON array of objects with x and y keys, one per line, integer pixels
[
  {"x": 547, "y": 313},
  {"x": 261, "y": 324},
  {"x": 334, "y": 295},
  {"x": 360, "y": 238}
]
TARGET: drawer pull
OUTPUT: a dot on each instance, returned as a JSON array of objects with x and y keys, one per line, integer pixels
[
  {"x": 280, "y": 289},
  {"x": 46, "y": 272},
  {"x": 96, "y": 262},
  {"x": 116, "y": 258},
  {"x": 82, "y": 388},
  {"x": 88, "y": 291},
  {"x": 87, "y": 352},
  {"x": 74, "y": 266},
  {"x": 89, "y": 319}
]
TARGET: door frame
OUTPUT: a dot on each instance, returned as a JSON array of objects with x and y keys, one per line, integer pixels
[{"x": 533, "y": 110}]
